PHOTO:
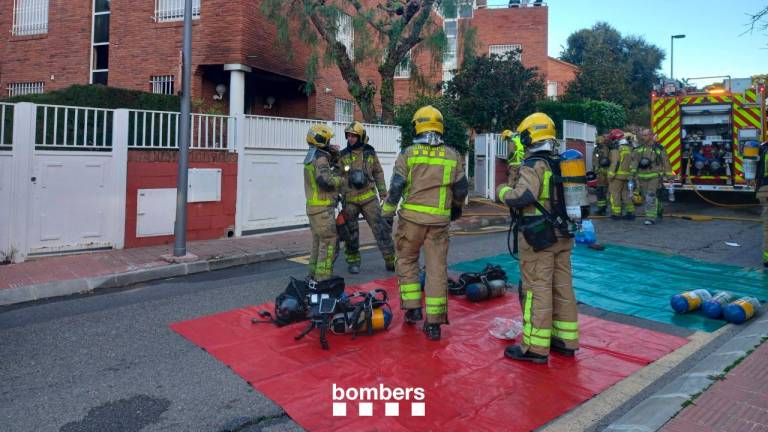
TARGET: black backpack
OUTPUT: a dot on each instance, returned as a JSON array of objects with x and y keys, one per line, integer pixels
[{"x": 490, "y": 272}]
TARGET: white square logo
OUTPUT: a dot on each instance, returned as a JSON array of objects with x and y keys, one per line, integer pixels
[
  {"x": 418, "y": 409},
  {"x": 339, "y": 409},
  {"x": 365, "y": 409},
  {"x": 392, "y": 409}
]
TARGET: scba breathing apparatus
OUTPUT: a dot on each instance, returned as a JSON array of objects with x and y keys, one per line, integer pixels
[{"x": 567, "y": 183}]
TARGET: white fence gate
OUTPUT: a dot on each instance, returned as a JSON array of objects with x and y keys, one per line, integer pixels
[
  {"x": 270, "y": 168},
  {"x": 487, "y": 148},
  {"x": 68, "y": 179},
  {"x": 6, "y": 157}
]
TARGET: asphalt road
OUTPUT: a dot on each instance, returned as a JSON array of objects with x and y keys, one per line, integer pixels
[{"x": 109, "y": 362}]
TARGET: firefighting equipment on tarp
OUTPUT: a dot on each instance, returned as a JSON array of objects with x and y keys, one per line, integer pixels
[
  {"x": 573, "y": 170},
  {"x": 751, "y": 156},
  {"x": 586, "y": 233},
  {"x": 489, "y": 273},
  {"x": 742, "y": 310},
  {"x": 290, "y": 305},
  {"x": 362, "y": 312},
  {"x": 689, "y": 301},
  {"x": 486, "y": 290},
  {"x": 714, "y": 308}
]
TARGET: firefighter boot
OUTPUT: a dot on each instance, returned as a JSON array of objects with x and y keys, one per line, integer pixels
[
  {"x": 354, "y": 268},
  {"x": 413, "y": 316},
  {"x": 389, "y": 262},
  {"x": 432, "y": 331},
  {"x": 516, "y": 353},
  {"x": 558, "y": 346}
]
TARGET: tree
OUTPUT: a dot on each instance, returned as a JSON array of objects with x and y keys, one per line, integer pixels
[
  {"x": 612, "y": 67},
  {"x": 455, "y": 130},
  {"x": 759, "y": 20},
  {"x": 385, "y": 32},
  {"x": 496, "y": 92}
]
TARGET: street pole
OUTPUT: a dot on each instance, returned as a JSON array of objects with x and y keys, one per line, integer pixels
[
  {"x": 180, "y": 227},
  {"x": 672, "y": 58}
]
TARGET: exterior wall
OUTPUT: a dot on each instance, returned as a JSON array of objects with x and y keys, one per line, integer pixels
[
  {"x": 159, "y": 169},
  {"x": 525, "y": 26},
  {"x": 561, "y": 72}
]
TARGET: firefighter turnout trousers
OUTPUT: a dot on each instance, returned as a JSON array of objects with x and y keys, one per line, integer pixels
[
  {"x": 323, "y": 227},
  {"x": 382, "y": 232},
  {"x": 621, "y": 201},
  {"x": 549, "y": 303},
  {"x": 649, "y": 190},
  {"x": 409, "y": 239}
]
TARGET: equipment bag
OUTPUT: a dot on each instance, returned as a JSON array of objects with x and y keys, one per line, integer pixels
[{"x": 490, "y": 272}]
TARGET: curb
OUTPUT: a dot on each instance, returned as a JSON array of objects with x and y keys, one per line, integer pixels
[
  {"x": 10, "y": 296},
  {"x": 655, "y": 410}
]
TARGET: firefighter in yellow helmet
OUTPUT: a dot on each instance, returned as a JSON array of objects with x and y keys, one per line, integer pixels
[
  {"x": 650, "y": 165},
  {"x": 363, "y": 188},
  {"x": 321, "y": 188},
  {"x": 429, "y": 178},
  {"x": 600, "y": 163},
  {"x": 515, "y": 155},
  {"x": 619, "y": 179},
  {"x": 550, "y": 316}
]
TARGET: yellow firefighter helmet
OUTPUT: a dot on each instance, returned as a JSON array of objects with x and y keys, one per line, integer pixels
[
  {"x": 356, "y": 128},
  {"x": 536, "y": 127},
  {"x": 319, "y": 136},
  {"x": 428, "y": 119},
  {"x": 637, "y": 199}
]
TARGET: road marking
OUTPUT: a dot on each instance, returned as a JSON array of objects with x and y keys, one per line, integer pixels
[
  {"x": 304, "y": 259},
  {"x": 589, "y": 413}
]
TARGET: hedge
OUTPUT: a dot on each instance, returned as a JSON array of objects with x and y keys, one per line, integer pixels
[{"x": 603, "y": 115}]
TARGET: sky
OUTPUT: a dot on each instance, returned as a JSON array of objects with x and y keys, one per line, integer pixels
[{"x": 714, "y": 43}]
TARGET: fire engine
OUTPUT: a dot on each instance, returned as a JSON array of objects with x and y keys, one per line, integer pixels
[{"x": 704, "y": 130}]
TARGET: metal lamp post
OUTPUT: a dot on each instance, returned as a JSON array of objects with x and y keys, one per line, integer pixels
[{"x": 180, "y": 227}]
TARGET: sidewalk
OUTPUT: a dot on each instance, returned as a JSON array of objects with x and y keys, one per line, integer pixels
[
  {"x": 737, "y": 402},
  {"x": 54, "y": 276}
]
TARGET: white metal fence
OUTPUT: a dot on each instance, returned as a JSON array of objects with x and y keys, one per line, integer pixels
[
  {"x": 159, "y": 130},
  {"x": 65, "y": 127},
  {"x": 285, "y": 133},
  {"x": 6, "y": 126},
  {"x": 578, "y": 130},
  {"x": 25, "y": 88}
]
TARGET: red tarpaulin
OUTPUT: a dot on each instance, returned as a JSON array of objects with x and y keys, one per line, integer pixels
[{"x": 468, "y": 384}]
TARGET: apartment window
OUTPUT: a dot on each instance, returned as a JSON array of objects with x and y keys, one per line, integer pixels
[
  {"x": 345, "y": 111},
  {"x": 403, "y": 70},
  {"x": 451, "y": 29},
  {"x": 173, "y": 10},
  {"x": 465, "y": 8},
  {"x": 100, "y": 42},
  {"x": 346, "y": 34},
  {"x": 30, "y": 17},
  {"x": 162, "y": 84},
  {"x": 501, "y": 50},
  {"x": 552, "y": 90},
  {"x": 20, "y": 89}
]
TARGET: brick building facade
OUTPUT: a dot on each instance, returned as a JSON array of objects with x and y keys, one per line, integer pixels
[{"x": 137, "y": 45}]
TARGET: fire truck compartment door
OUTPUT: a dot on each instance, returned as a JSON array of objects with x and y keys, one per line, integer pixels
[{"x": 706, "y": 109}]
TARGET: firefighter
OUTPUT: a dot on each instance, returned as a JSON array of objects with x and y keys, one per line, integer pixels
[
  {"x": 321, "y": 188},
  {"x": 619, "y": 176},
  {"x": 550, "y": 316},
  {"x": 762, "y": 196},
  {"x": 600, "y": 163},
  {"x": 650, "y": 165},
  {"x": 364, "y": 188},
  {"x": 515, "y": 155},
  {"x": 429, "y": 177}
]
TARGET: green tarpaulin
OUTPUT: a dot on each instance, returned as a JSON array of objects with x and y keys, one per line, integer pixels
[{"x": 639, "y": 282}]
